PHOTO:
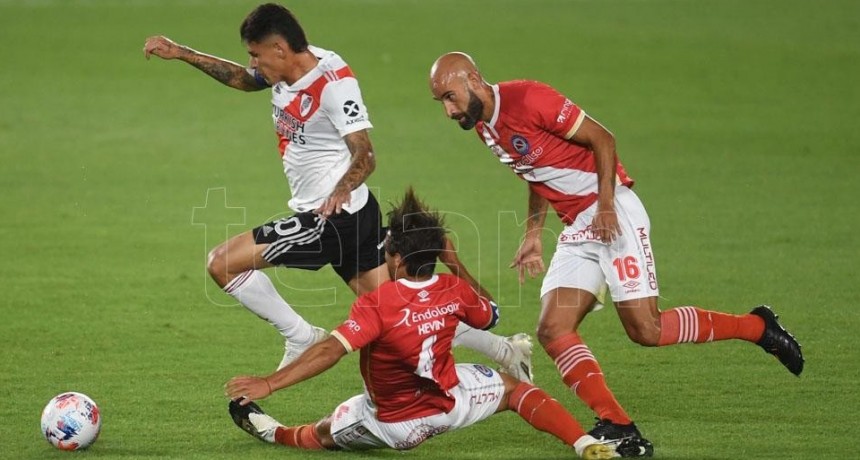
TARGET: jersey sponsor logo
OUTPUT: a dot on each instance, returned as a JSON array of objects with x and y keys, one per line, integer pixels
[
  {"x": 520, "y": 143},
  {"x": 565, "y": 111},
  {"x": 289, "y": 127},
  {"x": 649, "y": 257},
  {"x": 305, "y": 106},
  {"x": 410, "y": 318},
  {"x": 420, "y": 434},
  {"x": 586, "y": 234},
  {"x": 351, "y": 109},
  {"x": 356, "y": 120},
  {"x": 352, "y": 325}
]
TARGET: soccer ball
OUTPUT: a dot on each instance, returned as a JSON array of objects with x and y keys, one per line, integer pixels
[{"x": 71, "y": 421}]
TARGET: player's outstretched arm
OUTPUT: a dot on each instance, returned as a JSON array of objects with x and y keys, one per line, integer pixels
[
  {"x": 227, "y": 72},
  {"x": 316, "y": 360}
]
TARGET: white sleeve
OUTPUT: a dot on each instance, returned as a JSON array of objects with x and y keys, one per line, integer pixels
[{"x": 341, "y": 100}]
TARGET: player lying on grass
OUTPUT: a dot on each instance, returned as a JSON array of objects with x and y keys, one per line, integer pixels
[{"x": 414, "y": 389}]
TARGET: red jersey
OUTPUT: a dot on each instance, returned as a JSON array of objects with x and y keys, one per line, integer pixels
[
  {"x": 529, "y": 131},
  {"x": 405, "y": 330}
]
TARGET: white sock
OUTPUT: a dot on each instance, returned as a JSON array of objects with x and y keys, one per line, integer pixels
[
  {"x": 491, "y": 345},
  {"x": 257, "y": 293}
]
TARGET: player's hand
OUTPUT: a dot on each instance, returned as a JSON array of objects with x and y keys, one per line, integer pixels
[
  {"x": 335, "y": 202},
  {"x": 162, "y": 47},
  {"x": 605, "y": 224},
  {"x": 529, "y": 258},
  {"x": 247, "y": 388}
]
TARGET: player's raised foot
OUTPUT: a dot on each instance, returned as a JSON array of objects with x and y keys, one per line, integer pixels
[
  {"x": 518, "y": 359},
  {"x": 626, "y": 439},
  {"x": 251, "y": 419},
  {"x": 589, "y": 448},
  {"x": 779, "y": 342},
  {"x": 292, "y": 351}
]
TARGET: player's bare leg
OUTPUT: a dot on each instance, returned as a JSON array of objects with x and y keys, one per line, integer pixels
[
  {"x": 646, "y": 325},
  {"x": 563, "y": 309},
  {"x": 235, "y": 265}
]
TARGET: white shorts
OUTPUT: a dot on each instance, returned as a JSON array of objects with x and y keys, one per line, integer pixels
[
  {"x": 354, "y": 425},
  {"x": 627, "y": 265}
]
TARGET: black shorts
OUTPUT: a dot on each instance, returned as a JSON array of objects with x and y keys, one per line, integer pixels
[{"x": 351, "y": 243}]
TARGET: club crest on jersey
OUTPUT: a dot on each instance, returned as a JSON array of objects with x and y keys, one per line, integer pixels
[
  {"x": 305, "y": 105},
  {"x": 521, "y": 145}
]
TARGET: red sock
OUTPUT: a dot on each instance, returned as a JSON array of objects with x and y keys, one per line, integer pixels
[
  {"x": 543, "y": 412},
  {"x": 691, "y": 324},
  {"x": 580, "y": 371},
  {"x": 303, "y": 437}
]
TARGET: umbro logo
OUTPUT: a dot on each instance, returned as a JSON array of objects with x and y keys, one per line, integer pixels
[
  {"x": 351, "y": 108},
  {"x": 423, "y": 296}
]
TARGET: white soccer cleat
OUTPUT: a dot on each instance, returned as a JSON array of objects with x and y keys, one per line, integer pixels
[
  {"x": 590, "y": 448},
  {"x": 518, "y": 360},
  {"x": 292, "y": 351}
]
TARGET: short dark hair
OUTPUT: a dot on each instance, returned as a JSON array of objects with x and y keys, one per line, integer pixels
[
  {"x": 417, "y": 234},
  {"x": 273, "y": 19}
]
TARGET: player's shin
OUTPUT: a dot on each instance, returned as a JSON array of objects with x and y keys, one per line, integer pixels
[
  {"x": 581, "y": 373},
  {"x": 694, "y": 325},
  {"x": 300, "y": 437},
  {"x": 544, "y": 413},
  {"x": 257, "y": 293}
]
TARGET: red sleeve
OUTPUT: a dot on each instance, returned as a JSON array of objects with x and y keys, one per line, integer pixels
[
  {"x": 552, "y": 110},
  {"x": 478, "y": 312},
  {"x": 363, "y": 326}
]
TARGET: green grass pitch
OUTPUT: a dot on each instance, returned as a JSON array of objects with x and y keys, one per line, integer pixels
[{"x": 737, "y": 118}]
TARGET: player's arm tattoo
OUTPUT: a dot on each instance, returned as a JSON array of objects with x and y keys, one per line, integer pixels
[
  {"x": 227, "y": 72},
  {"x": 363, "y": 160}
]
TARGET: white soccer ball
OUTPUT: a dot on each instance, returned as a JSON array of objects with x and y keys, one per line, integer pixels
[{"x": 71, "y": 421}]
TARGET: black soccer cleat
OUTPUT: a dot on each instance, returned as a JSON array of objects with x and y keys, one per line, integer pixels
[
  {"x": 627, "y": 439},
  {"x": 779, "y": 342},
  {"x": 262, "y": 427}
]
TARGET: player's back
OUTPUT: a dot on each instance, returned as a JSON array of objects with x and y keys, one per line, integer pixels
[{"x": 408, "y": 365}]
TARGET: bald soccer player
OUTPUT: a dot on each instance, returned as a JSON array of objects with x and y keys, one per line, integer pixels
[{"x": 569, "y": 161}]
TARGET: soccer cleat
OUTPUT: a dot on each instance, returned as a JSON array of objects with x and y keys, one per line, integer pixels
[
  {"x": 779, "y": 342},
  {"x": 591, "y": 449},
  {"x": 254, "y": 421},
  {"x": 519, "y": 361},
  {"x": 627, "y": 439},
  {"x": 292, "y": 351}
]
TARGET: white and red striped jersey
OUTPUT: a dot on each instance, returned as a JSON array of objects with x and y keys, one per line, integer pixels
[
  {"x": 311, "y": 118},
  {"x": 529, "y": 132},
  {"x": 405, "y": 332}
]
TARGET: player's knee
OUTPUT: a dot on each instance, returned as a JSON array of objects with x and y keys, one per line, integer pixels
[
  {"x": 216, "y": 263},
  {"x": 647, "y": 335},
  {"x": 548, "y": 331}
]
